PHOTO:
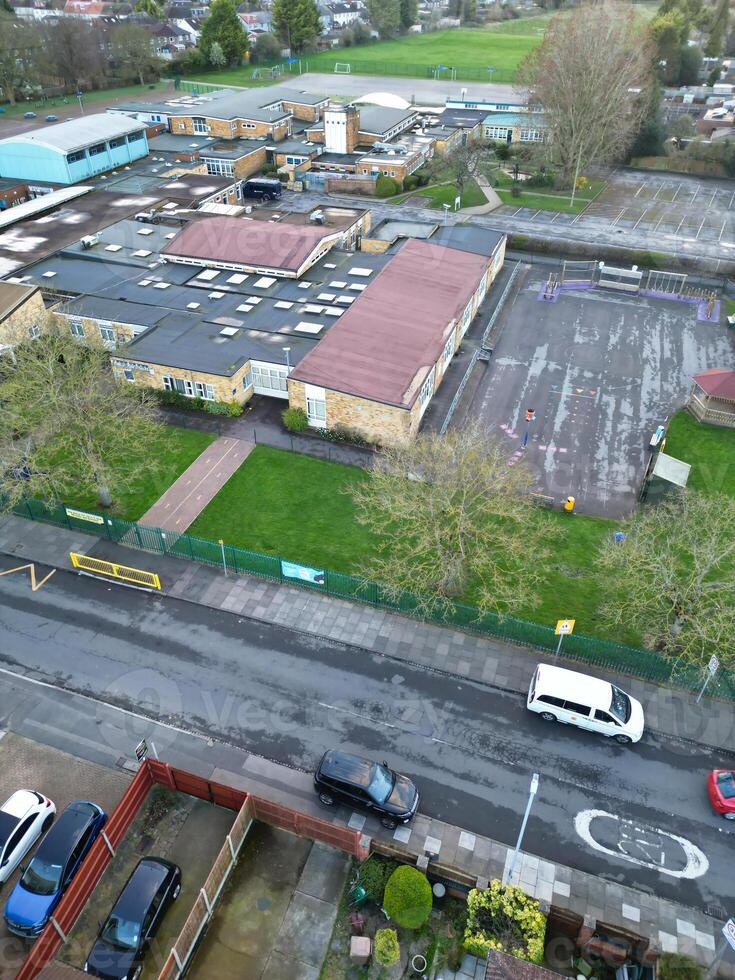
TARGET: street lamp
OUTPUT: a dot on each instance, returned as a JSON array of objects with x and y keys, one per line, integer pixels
[
  {"x": 79, "y": 95},
  {"x": 288, "y": 360},
  {"x": 446, "y": 211},
  {"x": 492, "y": 71},
  {"x": 508, "y": 873}
]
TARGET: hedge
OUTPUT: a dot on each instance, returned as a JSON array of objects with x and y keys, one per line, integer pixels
[{"x": 503, "y": 917}]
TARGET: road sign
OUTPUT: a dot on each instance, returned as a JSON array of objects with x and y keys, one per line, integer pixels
[
  {"x": 728, "y": 931},
  {"x": 713, "y": 664},
  {"x": 564, "y": 627},
  {"x": 141, "y": 750}
]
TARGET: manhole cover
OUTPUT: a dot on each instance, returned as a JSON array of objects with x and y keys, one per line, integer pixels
[{"x": 263, "y": 904}]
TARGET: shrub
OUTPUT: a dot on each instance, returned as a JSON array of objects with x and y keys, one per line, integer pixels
[
  {"x": 373, "y": 875},
  {"x": 542, "y": 178},
  {"x": 407, "y": 898},
  {"x": 266, "y": 50},
  {"x": 674, "y": 966},
  {"x": 387, "y": 950},
  {"x": 503, "y": 917},
  {"x": 295, "y": 419},
  {"x": 515, "y": 191},
  {"x": 385, "y": 186},
  {"x": 176, "y": 399},
  {"x": 410, "y": 182}
]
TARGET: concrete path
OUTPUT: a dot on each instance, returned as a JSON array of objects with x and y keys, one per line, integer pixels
[
  {"x": 185, "y": 499},
  {"x": 493, "y": 199}
]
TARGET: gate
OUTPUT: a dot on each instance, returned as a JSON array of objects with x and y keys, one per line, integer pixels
[
  {"x": 670, "y": 283},
  {"x": 578, "y": 273}
]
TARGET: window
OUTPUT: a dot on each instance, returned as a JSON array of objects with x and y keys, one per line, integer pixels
[
  {"x": 427, "y": 389},
  {"x": 129, "y": 376},
  {"x": 168, "y": 383},
  {"x": 75, "y": 157},
  {"x": 205, "y": 391},
  {"x": 448, "y": 349},
  {"x": 97, "y": 149},
  {"x": 133, "y": 137},
  {"x": 76, "y": 327},
  {"x": 107, "y": 334},
  {"x": 316, "y": 410},
  {"x": 549, "y": 699},
  {"x": 270, "y": 378},
  {"x": 247, "y": 379},
  {"x": 226, "y": 168},
  {"x": 118, "y": 142},
  {"x": 184, "y": 387},
  {"x": 34, "y": 331},
  {"x": 577, "y": 709},
  {"x": 604, "y": 716},
  {"x": 199, "y": 124}
]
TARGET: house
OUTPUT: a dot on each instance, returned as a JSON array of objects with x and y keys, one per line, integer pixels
[
  {"x": 377, "y": 369},
  {"x": 23, "y": 315},
  {"x": 714, "y": 119},
  {"x": 168, "y": 39},
  {"x": 86, "y": 9},
  {"x": 258, "y": 20},
  {"x": 712, "y": 398},
  {"x": 69, "y": 152},
  {"x": 234, "y": 158},
  {"x": 509, "y": 127},
  {"x": 343, "y": 14}
]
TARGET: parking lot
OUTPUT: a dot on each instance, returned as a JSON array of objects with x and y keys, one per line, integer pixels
[
  {"x": 665, "y": 207},
  {"x": 601, "y": 370},
  {"x": 25, "y": 764}
]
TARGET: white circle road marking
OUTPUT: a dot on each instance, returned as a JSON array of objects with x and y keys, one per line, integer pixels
[{"x": 696, "y": 862}]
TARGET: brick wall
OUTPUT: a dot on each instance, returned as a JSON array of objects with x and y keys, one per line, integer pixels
[
  {"x": 375, "y": 246},
  {"x": 223, "y": 387},
  {"x": 91, "y": 326},
  {"x": 231, "y": 129},
  {"x": 32, "y": 312},
  {"x": 379, "y": 423},
  {"x": 309, "y": 113},
  {"x": 252, "y": 163}
]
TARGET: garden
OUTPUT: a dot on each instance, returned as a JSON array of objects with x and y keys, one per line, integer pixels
[{"x": 391, "y": 924}]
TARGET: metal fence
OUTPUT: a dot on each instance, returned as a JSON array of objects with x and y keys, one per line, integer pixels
[{"x": 645, "y": 664}]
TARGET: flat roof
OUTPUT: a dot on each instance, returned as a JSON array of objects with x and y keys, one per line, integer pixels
[
  {"x": 468, "y": 238},
  {"x": 13, "y": 295},
  {"x": 348, "y": 159},
  {"x": 181, "y": 143},
  {"x": 248, "y": 242},
  {"x": 379, "y": 119},
  {"x": 78, "y": 133},
  {"x": 231, "y": 149},
  {"x": 461, "y": 118},
  {"x": 390, "y": 229},
  {"x": 385, "y": 345}
]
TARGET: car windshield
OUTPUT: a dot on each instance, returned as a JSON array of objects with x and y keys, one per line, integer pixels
[
  {"x": 620, "y": 704},
  {"x": 122, "y": 933},
  {"x": 42, "y": 877},
  {"x": 381, "y": 784},
  {"x": 726, "y": 784},
  {"x": 8, "y": 823}
]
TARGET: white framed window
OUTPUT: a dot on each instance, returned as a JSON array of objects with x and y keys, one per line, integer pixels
[
  {"x": 107, "y": 334},
  {"x": 34, "y": 331},
  {"x": 247, "y": 379},
  {"x": 168, "y": 383},
  {"x": 205, "y": 391},
  {"x": 76, "y": 327},
  {"x": 184, "y": 387},
  {"x": 466, "y": 317},
  {"x": 225, "y": 168},
  {"x": 427, "y": 390},
  {"x": 448, "y": 349},
  {"x": 199, "y": 124},
  {"x": 129, "y": 376},
  {"x": 270, "y": 380},
  {"x": 316, "y": 406}
]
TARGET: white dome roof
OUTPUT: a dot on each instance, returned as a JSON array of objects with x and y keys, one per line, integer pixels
[{"x": 386, "y": 99}]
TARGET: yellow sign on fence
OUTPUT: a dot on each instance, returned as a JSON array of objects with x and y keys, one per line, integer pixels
[{"x": 100, "y": 567}]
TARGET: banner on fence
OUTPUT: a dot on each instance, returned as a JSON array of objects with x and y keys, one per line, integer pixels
[{"x": 314, "y": 575}]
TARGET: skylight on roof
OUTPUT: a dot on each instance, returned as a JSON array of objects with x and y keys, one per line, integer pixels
[
  {"x": 329, "y": 265},
  {"x": 193, "y": 306},
  {"x": 228, "y": 331},
  {"x": 169, "y": 205},
  {"x": 304, "y": 285},
  {"x": 357, "y": 271},
  {"x": 215, "y": 295},
  {"x": 142, "y": 253},
  {"x": 144, "y": 282},
  {"x": 264, "y": 282},
  {"x": 244, "y": 308},
  {"x": 113, "y": 248},
  {"x": 208, "y": 274},
  {"x": 283, "y": 304},
  {"x": 162, "y": 285},
  {"x": 311, "y": 308},
  {"x": 171, "y": 235},
  {"x": 333, "y": 311},
  {"x": 145, "y": 231},
  {"x": 254, "y": 300},
  {"x": 358, "y": 286},
  {"x": 346, "y": 299},
  {"x": 338, "y": 285},
  {"x": 305, "y": 327},
  {"x": 48, "y": 275},
  {"x": 237, "y": 278},
  {"x": 328, "y": 297}
]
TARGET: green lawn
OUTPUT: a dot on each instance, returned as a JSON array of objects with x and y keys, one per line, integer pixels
[
  {"x": 58, "y": 107},
  {"x": 178, "y": 449},
  {"x": 547, "y": 199},
  {"x": 296, "y": 507},
  {"x": 441, "y": 194},
  {"x": 709, "y": 448}
]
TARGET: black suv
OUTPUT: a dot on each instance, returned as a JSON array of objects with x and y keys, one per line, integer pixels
[
  {"x": 126, "y": 934},
  {"x": 344, "y": 778}
]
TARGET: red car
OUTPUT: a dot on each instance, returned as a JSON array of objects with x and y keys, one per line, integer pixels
[{"x": 721, "y": 789}]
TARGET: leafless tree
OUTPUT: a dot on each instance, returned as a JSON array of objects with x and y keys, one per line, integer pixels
[
  {"x": 463, "y": 163},
  {"x": 590, "y": 76},
  {"x": 451, "y": 517},
  {"x": 672, "y": 579},
  {"x": 131, "y": 47},
  {"x": 19, "y": 49},
  {"x": 75, "y": 51}
]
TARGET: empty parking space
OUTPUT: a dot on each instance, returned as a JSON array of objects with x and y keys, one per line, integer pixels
[{"x": 601, "y": 370}]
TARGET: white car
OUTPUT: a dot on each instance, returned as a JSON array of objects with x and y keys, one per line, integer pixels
[{"x": 23, "y": 818}]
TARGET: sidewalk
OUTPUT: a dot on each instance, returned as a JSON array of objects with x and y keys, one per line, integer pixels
[{"x": 478, "y": 658}]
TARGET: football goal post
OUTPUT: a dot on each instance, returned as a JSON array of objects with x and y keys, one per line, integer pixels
[{"x": 342, "y": 68}]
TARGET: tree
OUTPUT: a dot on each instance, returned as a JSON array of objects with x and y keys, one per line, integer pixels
[
  {"x": 297, "y": 24},
  {"x": 266, "y": 50},
  {"x": 672, "y": 579},
  {"x": 409, "y": 13},
  {"x": 463, "y": 163},
  {"x": 131, "y": 47},
  {"x": 18, "y": 57},
  {"x": 718, "y": 29},
  {"x": 682, "y": 128},
  {"x": 466, "y": 10},
  {"x": 385, "y": 16},
  {"x": 447, "y": 512},
  {"x": 224, "y": 27},
  {"x": 150, "y": 7},
  {"x": 67, "y": 424},
  {"x": 216, "y": 55},
  {"x": 407, "y": 899},
  {"x": 590, "y": 75},
  {"x": 74, "y": 52},
  {"x": 387, "y": 947},
  {"x": 361, "y": 33},
  {"x": 690, "y": 65},
  {"x": 652, "y": 133}
]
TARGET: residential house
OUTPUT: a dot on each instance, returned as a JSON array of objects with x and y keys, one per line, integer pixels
[{"x": 343, "y": 14}]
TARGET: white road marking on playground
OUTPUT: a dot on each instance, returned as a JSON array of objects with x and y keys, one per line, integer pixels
[
  {"x": 696, "y": 866},
  {"x": 640, "y": 219},
  {"x": 639, "y": 189},
  {"x": 701, "y": 226},
  {"x": 722, "y": 230},
  {"x": 622, "y": 212}
]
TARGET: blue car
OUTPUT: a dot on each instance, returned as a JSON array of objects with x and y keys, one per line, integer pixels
[{"x": 55, "y": 863}]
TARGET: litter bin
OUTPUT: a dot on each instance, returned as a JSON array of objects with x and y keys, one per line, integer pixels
[{"x": 440, "y": 895}]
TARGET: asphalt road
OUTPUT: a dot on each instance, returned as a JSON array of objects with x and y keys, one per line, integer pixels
[{"x": 636, "y": 814}]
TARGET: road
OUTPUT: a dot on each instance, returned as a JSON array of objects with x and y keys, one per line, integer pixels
[{"x": 288, "y": 696}]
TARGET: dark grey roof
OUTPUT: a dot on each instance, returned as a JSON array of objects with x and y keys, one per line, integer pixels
[
  {"x": 170, "y": 141},
  {"x": 99, "y": 308},
  {"x": 468, "y": 238},
  {"x": 462, "y": 118},
  {"x": 345, "y": 158},
  {"x": 294, "y": 146},
  {"x": 230, "y": 149},
  {"x": 378, "y": 119}
]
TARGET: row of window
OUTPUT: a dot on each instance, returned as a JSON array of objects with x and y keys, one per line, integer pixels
[
  {"x": 272, "y": 378},
  {"x": 191, "y": 389},
  {"x": 98, "y": 148},
  {"x": 107, "y": 333},
  {"x": 226, "y": 168}
]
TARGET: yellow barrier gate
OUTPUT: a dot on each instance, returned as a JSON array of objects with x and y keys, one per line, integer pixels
[{"x": 100, "y": 567}]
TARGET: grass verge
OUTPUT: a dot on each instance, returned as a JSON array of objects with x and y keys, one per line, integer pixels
[
  {"x": 709, "y": 448},
  {"x": 546, "y": 199}
]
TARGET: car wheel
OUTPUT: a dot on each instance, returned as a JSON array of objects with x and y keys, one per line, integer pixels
[
  {"x": 326, "y": 799},
  {"x": 547, "y": 716},
  {"x": 47, "y": 823},
  {"x": 730, "y": 815},
  {"x": 177, "y": 892},
  {"x": 390, "y": 824},
  {"x": 622, "y": 739}
]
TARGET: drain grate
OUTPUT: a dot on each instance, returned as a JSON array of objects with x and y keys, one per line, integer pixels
[{"x": 716, "y": 911}]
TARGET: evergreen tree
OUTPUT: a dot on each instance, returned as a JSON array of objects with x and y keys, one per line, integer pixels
[
  {"x": 297, "y": 24},
  {"x": 409, "y": 13},
  {"x": 718, "y": 30},
  {"x": 385, "y": 16},
  {"x": 150, "y": 7},
  {"x": 224, "y": 27}
]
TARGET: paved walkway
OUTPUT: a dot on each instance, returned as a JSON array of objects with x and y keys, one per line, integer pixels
[
  {"x": 493, "y": 198},
  {"x": 185, "y": 499}
]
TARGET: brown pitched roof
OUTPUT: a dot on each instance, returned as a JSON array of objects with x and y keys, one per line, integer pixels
[
  {"x": 13, "y": 295},
  {"x": 262, "y": 243},
  {"x": 384, "y": 346},
  {"x": 717, "y": 382},
  {"x": 501, "y": 966}
]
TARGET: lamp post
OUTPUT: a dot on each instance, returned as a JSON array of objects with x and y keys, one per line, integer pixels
[
  {"x": 446, "y": 211},
  {"x": 79, "y": 95},
  {"x": 288, "y": 360},
  {"x": 508, "y": 873},
  {"x": 491, "y": 72}
]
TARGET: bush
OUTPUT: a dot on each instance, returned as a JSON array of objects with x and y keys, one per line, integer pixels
[
  {"x": 503, "y": 917},
  {"x": 674, "y": 966},
  {"x": 411, "y": 182},
  {"x": 266, "y": 50},
  {"x": 385, "y": 186},
  {"x": 407, "y": 898},
  {"x": 387, "y": 950},
  {"x": 373, "y": 875},
  {"x": 177, "y": 400},
  {"x": 515, "y": 191},
  {"x": 542, "y": 178},
  {"x": 295, "y": 419}
]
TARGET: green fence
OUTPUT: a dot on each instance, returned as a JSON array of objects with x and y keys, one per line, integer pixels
[{"x": 645, "y": 664}]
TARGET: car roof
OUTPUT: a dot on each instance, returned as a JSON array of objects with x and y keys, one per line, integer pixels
[
  {"x": 20, "y": 803},
  {"x": 141, "y": 886},
  {"x": 573, "y": 685},
  {"x": 352, "y": 768},
  {"x": 61, "y": 840}
]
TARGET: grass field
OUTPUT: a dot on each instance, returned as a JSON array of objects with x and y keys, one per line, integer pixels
[
  {"x": 709, "y": 448},
  {"x": 58, "y": 107},
  {"x": 441, "y": 194},
  {"x": 546, "y": 199},
  {"x": 298, "y": 507},
  {"x": 178, "y": 448}
]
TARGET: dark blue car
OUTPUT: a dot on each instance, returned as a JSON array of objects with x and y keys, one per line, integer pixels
[{"x": 55, "y": 863}]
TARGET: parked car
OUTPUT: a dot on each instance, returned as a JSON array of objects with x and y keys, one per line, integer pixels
[
  {"x": 344, "y": 778},
  {"x": 23, "y": 818},
  {"x": 30, "y": 115},
  {"x": 134, "y": 920},
  {"x": 721, "y": 789},
  {"x": 52, "y": 118},
  {"x": 54, "y": 864},
  {"x": 568, "y": 696}
]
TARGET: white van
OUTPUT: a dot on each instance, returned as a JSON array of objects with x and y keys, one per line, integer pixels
[{"x": 577, "y": 699}]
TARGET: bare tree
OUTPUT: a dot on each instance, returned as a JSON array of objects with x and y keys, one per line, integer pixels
[
  {"x": 131, "y": 47},
  {"x": 67, "y": 426},
  {"x": 672, "y": 579},
  {"x": 449, "y": 515},
  {"x": 463, "y": 163},
  {"x": 75, "y": 51},
  {"x": 18, "y": 50},
  {"x": 590, "y": 76}
]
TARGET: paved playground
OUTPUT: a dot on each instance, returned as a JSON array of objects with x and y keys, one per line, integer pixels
[{"x": 601, "y": 370}]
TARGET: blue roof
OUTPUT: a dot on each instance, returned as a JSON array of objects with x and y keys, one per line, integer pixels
[{"x": 513, "y": 119}]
